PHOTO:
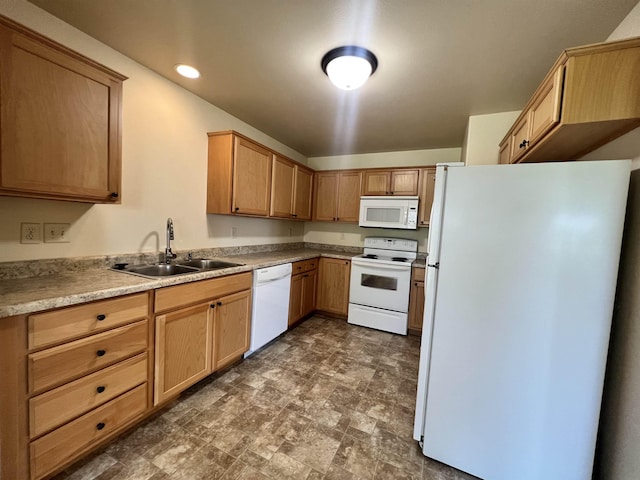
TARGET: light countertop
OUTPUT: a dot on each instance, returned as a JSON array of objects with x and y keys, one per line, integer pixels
[{"x": 28, "y": 295}]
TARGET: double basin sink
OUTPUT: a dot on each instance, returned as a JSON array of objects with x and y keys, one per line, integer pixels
[{"x": 171, "y": 269}]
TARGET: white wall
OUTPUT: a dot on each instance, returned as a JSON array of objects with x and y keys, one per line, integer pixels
[
  {"x": 164, "y": 161},
  {"x": 408, "y": 158},
  {"x": 484, "y": 133},
  {"x": 618, "y": 450}
]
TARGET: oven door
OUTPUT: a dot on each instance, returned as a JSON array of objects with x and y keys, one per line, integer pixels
[{"x": 380, "y": 285}]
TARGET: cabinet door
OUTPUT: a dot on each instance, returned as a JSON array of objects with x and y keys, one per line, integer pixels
[
  {"x": 377, "y": 183},
  {"x": 60, "y": 117},
  {"x": 545, "y": 110},
  {"x": 302, "y": 193},
  {"x": 333, "y": 285},
  {"x": 404, "y": 182},
  {"x": 183, "y": 350},
  {"x": 251, "y": 178},
  {"x": 427, "y": 188},
  {"x": 520, "y": 139},
  {"x": 232, "y": 328},
  {"x": 349, "y": 197},
  {"x": 504, "y": 154},
  {"x": 309, "y": 285},
  {"x": 295, "y": 299},
  {"x": 325, "y": 203},
  {"x": 282, "y": 181},
  {"x": 416, "y": 305}
]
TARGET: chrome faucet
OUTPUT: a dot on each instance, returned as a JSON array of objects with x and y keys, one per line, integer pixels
[{"x": 168, "y": 254}]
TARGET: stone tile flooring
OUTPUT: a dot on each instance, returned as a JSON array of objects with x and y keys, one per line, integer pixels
[{"x": 327, "y": 401}]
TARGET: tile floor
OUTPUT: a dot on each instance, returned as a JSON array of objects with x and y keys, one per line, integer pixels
[{"x": 327, "y": 401}]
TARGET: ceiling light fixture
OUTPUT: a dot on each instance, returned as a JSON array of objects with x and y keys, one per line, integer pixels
[
  {"x": 187, "y": 71},
  {"x": 349, "y": 67}
]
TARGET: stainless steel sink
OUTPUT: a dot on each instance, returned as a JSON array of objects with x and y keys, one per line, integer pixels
[
  {"x": 161, "y": 270},
  {"x": 171, "y": 269},
  {"x": 209, "y": 264}
]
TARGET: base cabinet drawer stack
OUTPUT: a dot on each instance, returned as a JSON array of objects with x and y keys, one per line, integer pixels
[{"x": 83, "y": 390}]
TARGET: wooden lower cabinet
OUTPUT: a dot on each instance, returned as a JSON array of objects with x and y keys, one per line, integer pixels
[
  {"x": 333, "y": 286},
  {"x": 416, "y": 301},
  {"x": 183, "y": 350},
  {"x": 200, "y": 328},
  {"x": 302, "y": 299},
  {"x": 231, "y": 328}
]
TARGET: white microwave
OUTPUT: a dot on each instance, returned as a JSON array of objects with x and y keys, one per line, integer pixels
[{"x": 389, "y": 212}]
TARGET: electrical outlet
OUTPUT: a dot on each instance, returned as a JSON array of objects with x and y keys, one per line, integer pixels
[
  {"x": 30, "y": 233},
  {"x": 234, "y": 232},
  {"x": 56, "y": 232}
]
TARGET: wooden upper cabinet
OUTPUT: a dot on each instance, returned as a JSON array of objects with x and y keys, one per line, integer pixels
[
  {"x": 427, "y": 188},
  {"x": 282, "y": 185},
  {"x": 590, "y": 96},
  {"x": 251, "y": 178},
  {"x": 349, "y": 185},
  {"x": 337, "y": 196},
  {"x": 390, "y": 182},
  {"x": 60, "y": 121},
  {"x": 504, "y": 154},
  {"x": 302, "y": 193},
  {"x": 291, "y": 187}
]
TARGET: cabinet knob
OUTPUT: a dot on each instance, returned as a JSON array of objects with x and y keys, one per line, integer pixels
[
  {"x": 524, "y": 144},
  {"x": 212, "y": 305},
  {"x": 305, "y": 275},
  {"x": 219, "y": 304},
  {"x": 114, "y": 195},
  {"x": 101, "y": 317},
  {"x": 101, "y": 353},
  {"x": 101, "y": 389},
  {"x": 237, "y": 208},
  {"x": 100, "y": 426},
  {"x": 334, "y": 219},
  {"x": 337, "y": 219},
  {"x": 294, "y": 215}
]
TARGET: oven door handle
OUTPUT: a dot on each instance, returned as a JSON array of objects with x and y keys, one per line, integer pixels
[{"x": 381, "y": 266}]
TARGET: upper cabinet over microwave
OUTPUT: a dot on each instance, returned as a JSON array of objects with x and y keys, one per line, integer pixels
[
  {"x": 60, "y": 121},
  {"x": 389, "y": 212}
]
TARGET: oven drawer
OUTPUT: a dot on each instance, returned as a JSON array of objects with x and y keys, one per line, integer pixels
[
  {"x": 386, "y": 320},
  {"x": 59, "y": 446},
  {"x": 68, "y": 361},
  {"x": 57, "y": 406}
]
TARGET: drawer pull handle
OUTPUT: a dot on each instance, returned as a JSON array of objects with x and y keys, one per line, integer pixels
[
  {"x": 101, "y": 389},
  {"x": 100, "y": 353},
  {"x": 100, "y": 426},
  {"x": 101, "y": 317}
]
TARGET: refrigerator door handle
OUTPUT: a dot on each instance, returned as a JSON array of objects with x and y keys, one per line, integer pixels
[{"x": 434, "y": 265}]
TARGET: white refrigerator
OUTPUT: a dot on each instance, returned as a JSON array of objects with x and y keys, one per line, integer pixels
[{"x": 520, "y": 283}]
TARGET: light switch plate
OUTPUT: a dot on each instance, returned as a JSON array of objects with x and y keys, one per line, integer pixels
[
  {"x": 30, "y": 233},
  {"x": 56, "y": 232}
]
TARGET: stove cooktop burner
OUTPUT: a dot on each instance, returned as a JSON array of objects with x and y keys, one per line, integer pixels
[
  {"x": 370, "y": 255},
  {"x": 398, "y": 259}
]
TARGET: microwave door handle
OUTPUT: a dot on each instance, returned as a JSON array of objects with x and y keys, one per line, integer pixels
[{"x": 406, "y": 216}]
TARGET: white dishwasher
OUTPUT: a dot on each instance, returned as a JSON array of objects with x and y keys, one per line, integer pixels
[{"x": 270, "y": 306}]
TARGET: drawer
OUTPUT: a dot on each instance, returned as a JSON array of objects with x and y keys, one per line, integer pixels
[
  {"x": 417, "y": 274},
  {"x": 58, "y": 406},
  {"x": 75, "y": 322},
  {"x": 304, "y": 266},
  {"x": 66, "y": 362},
  {"x": 178, "y": 296},
  {"x": 63, "y": 444}
]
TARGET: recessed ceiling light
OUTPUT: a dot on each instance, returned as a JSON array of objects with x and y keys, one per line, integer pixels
[
  {"x": 349, "y": 67},
  {"x": 187, "y": 71}
]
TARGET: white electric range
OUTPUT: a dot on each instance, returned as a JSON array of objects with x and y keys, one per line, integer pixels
[{"x": 380, "y": 283}]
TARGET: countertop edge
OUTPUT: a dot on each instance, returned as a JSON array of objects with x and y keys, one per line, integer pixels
[{"x": 128, "y": 283}]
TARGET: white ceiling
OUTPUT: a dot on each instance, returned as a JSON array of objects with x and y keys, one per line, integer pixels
[{"x": 439, "y": 60}]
